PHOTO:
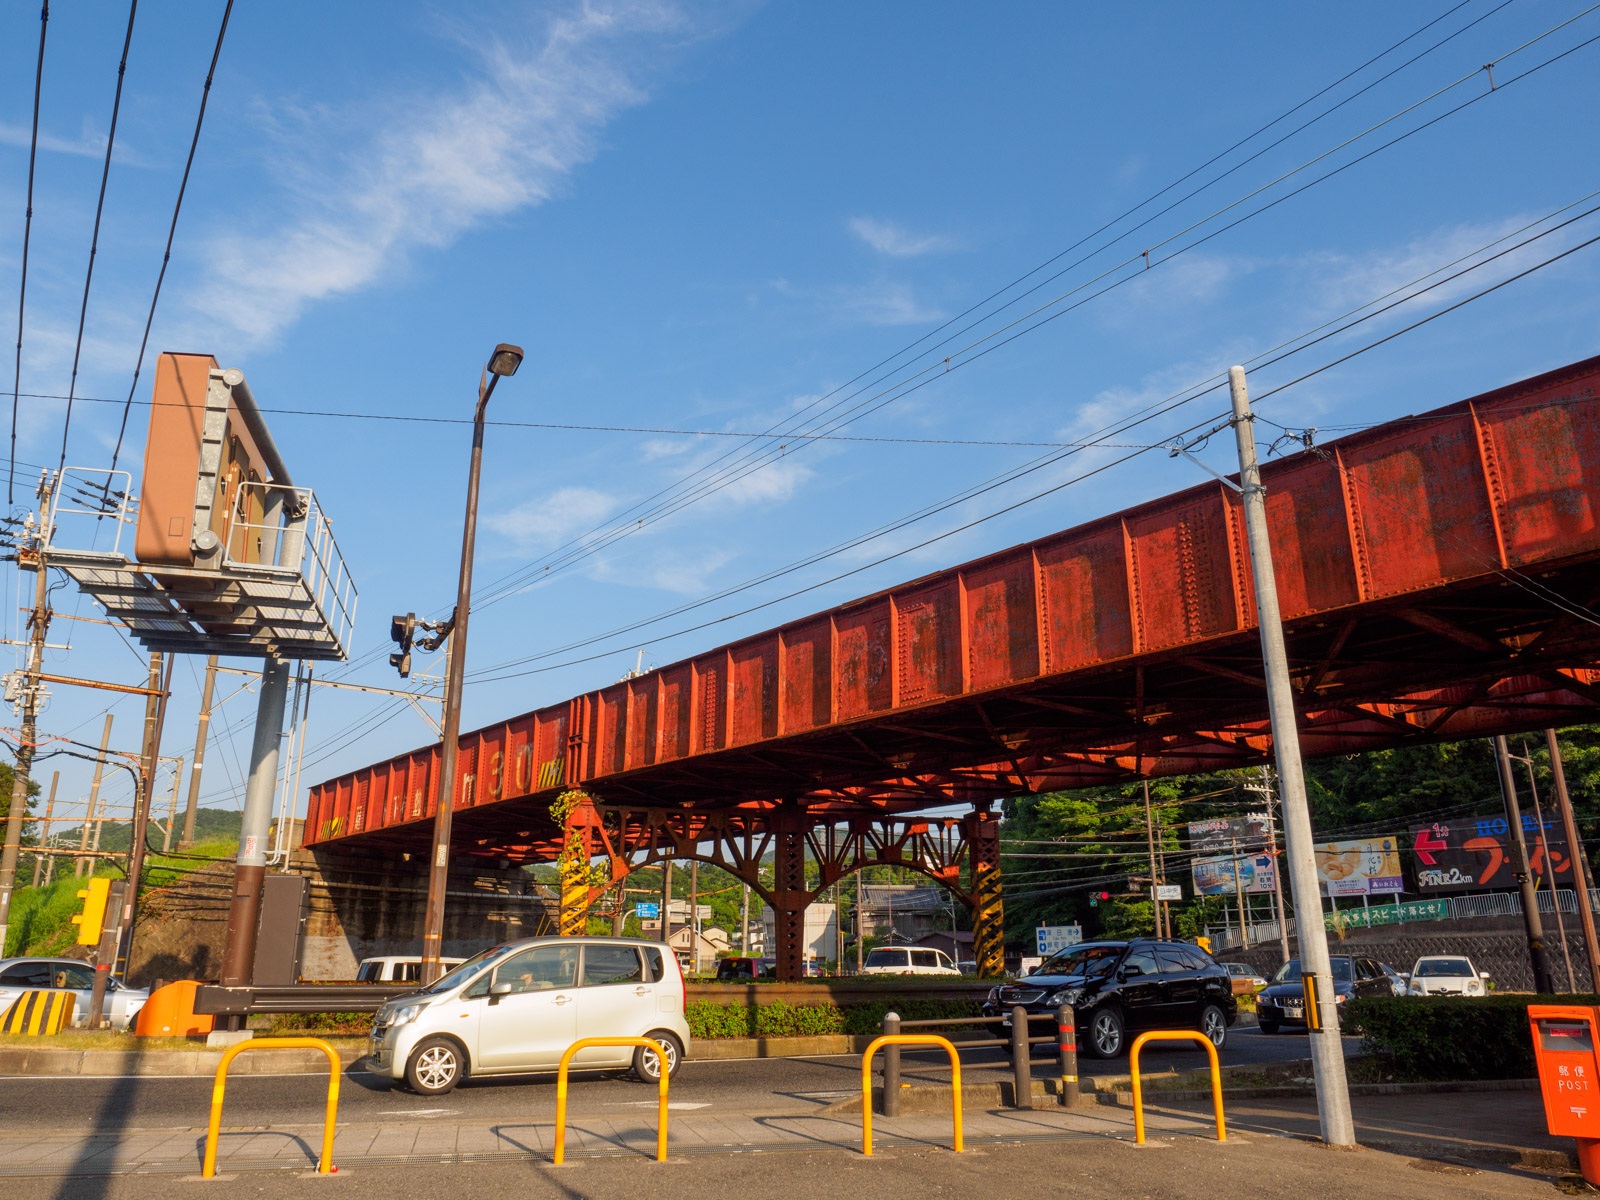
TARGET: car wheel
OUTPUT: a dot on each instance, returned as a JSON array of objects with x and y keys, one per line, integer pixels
[
  {"x": 1214, "y": 1024},
  {"x": 1105, "y": 1033},
  {"x": 435, "y": 1067},
  {"x": 1268, "y": 1026},
  {"x": 647, "y": 1063}
]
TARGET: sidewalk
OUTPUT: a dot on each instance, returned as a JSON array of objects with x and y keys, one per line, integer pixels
[{"x": 1497, "y": 1128}]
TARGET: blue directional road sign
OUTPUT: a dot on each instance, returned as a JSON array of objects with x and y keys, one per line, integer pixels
[{"x": 648, "y": 911}]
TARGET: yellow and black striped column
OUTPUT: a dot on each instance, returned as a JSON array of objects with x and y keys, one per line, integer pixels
[
  {"x": 988, "y": 917},
  {"x": 578, "y": 820},
  {"x": 43, "y": 1012}
]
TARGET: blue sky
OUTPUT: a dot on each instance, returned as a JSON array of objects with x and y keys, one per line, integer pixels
[{"x": 706, "y": 218}]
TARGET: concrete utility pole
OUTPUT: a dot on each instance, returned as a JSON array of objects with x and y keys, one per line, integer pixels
[
  {"x": 1150, "y": 832},
  {"x": 87, "y": 864},
  {"x": 1519, "y": 867},
  {"x": 155, "y": 713},
  {"x": 44, "y": 836},
  {"x": 1238, "y": 896},
  {"x": 1327, "y": 1050},
  {"x": 238, "y": 959},
  {"x": 172, "y": 804},
  {"x": 187, "y": 840},
  {"x": 1580, "y": 858},
  {"x": 744, "y": 919},
  {"x": 38, "y": 625},
  {"x": 1277, "y": 868},
  {"x": 1550, "y": 871}
]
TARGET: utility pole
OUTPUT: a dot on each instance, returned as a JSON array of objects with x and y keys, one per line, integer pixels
[
  {"x": 1150, "y": 832},
  {"x": 187, "y": 840},
  {"x": 666, "y": 899},
  {"x": 30, "y": 555},
  {"x": 861, "y": 921},
  {"x": 84, "y": 864},
  {"x": 1580, "y": 858},
  {"x": 172, "y": 806},
  {"x": 250, "y": 868},
  {"x": 1327, "y": 1049},
  {"x": 155, "y": 713},
  {"x": 694, "y": 912},
  {"x": 1550, "y": 872},
  {"x": 744, "y": 920},
  {"x": 44, "y": 837},
  {"x": 1238, "y": 895},
  {"x": 1519, "y": 868}
]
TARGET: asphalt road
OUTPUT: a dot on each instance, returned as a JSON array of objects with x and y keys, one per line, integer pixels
[{"x": 765, "y": 1087}]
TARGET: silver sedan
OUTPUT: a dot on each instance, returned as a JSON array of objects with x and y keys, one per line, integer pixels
[{"x": 18, "y": 975}]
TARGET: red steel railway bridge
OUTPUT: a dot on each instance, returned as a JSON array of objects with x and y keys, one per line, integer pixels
[{"x": 1436, "y": 576}]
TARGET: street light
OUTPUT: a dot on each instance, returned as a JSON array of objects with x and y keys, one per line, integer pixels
[{"x": 504, "y": 361}]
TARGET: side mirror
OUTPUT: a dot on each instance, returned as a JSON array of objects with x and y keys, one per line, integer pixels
[
  {"x": 496, "y": 990},
  {"x": 1131, "y": 970}
]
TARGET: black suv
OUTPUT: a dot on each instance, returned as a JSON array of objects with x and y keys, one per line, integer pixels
[
  {"x": 1282, "y": 1002},
  {"x": 1121, "y": 988}
]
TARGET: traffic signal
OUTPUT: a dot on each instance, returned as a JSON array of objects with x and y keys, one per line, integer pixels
[
  {"x": 402, "y": 629},
  {"x": 1096, "y": 897},
  {"x": 93, "y": 915}
]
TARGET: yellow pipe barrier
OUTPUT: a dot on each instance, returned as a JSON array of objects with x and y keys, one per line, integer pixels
[
  {"x": 906, "y": 1039},
  {"x": 1164, "y": 1035},
  {"x": 561, "y": 1091},
  {"x": 325, "y": 1163}
]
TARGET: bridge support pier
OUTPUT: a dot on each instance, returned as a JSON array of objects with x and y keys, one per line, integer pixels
[
  {"x": 982, "y": 830},
  {"x": 579, "y": 827},
  {"x": 789, "y": 895}
]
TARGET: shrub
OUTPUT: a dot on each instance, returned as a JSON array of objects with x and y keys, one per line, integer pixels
[
  {"x": 779, "y": 1019},
  {"x": 1451, "y": 1037}
]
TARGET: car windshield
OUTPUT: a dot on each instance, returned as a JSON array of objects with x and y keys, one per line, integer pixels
[
  {"x": 1089, "y": 961},
  {"x": 1444, "y": 966},
  {"x": 1290, "y": 971},
  {"x": 469, "y": 968}
]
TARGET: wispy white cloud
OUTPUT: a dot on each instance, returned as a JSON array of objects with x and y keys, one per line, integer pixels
[
  {"x": 886, "y": 237},
  {"x": 440, "y": 165},
  {"x": 881, "y": 302},
  {"x": 90, "y": 143},
  {"x": 546, "y": 521}
]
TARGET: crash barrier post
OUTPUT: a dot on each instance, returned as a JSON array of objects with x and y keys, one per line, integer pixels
[
  {"x": 1174, "y": 1035},
  {"x": 1067, "y": 1035},
  {"x": 325, "y": 1164},
  {"x": 1021, "y": 1062},
  {"x": 891, "y": 1056},
  {"x": 561, "y": 1090},
  {"x": 41, "y": 1012},
  {"x": 907, "y": 1039},
  {"x": 891, "y": 1066}
]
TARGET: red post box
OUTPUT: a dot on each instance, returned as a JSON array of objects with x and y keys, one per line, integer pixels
[{"x": 1564, "y": 1040}]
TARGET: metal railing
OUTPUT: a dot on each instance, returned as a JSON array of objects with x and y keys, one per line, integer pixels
[
  {"x": 87, "y": 497},
  {"x": 1174, "y": 1035},
  {"x": 662, "y": 1074},
  {"x": 898, "y": 1039},
  {"x": 325, "y": 1165},
  {"x": 1020, "y": 1042},
  {"x": 294, "y": 534}
]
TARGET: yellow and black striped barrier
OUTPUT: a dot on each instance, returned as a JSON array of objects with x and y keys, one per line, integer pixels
[{"x": 42, "y": 1012}]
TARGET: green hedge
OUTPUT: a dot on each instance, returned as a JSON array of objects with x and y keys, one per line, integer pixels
[
  {"x": 778, "y": 1019},
  {"x": 1451, "y": 1037}
]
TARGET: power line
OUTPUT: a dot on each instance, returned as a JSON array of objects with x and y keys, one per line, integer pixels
[
  {"x": 27, "y": 232},
  {"x": 166, "y": 256},
  {"x": 94, "y": 240}
]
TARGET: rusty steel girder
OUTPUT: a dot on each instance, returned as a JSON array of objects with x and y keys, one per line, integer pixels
[{"x": 1435, "y": 574}]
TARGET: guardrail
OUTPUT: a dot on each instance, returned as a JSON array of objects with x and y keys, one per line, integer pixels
[
  {"x": 325, "y": 1165},
  {"x": 902, "y": 1039},
  {"x": 1174, "y": 1035},
  {"x": 1064, "y": 1040},
  {"x": 561, "y": 1091},
  {"x": 212, "y": 999}
]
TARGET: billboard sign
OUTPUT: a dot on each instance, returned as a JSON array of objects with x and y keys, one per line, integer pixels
[
  {"x": 1221, "y": 833},
  {"x": 1368, "y": 867},
  {"x": 1215, "y": 876},
  {"x": 1169, "y": 891},
  {"x": 1053, "y": 939},
  {"x": 1477, "y": 852}
]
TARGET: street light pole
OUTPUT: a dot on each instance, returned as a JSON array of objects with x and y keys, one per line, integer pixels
[
  {"x": 1327, "y": 1051},
  {"x": 504, "y": 361}
]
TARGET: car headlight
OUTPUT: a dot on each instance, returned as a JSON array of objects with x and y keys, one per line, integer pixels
[
  {"x": 406, "y": 1013},
  {"x": 1474, "y": 987},
  {"x": 1069, "y": 995},
  {"x": 1340, "y": 998},
  {"x": 994, "y": 995}
]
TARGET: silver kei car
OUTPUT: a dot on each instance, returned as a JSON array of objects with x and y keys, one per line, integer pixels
[{"x": 517, "y": 1007}]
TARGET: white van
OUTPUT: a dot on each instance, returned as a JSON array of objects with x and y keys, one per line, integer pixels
[
  {"x": 397, "y": 968},
  {"x": 516, "y": 1008},
  {"x": 908, "y": 960}
]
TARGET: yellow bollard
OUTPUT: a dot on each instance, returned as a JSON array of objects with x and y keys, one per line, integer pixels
[
  {"x": 561, "y": 1091},
  {"x": 907, "y": 1039},
  {"x": 1163, "y": 1035},
  {"x": 325, "y": 1164}
]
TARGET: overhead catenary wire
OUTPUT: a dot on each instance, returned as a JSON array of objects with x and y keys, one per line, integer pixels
[
  {"x": 172, "y": 232},
  {"x": 27, "y": 235},
  {"x": 94, "y": 239}
]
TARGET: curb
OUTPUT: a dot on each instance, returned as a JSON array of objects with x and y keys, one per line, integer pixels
[
  {"x": 1119, "y": 1096},
  {"x": 20, "y": 1060}
]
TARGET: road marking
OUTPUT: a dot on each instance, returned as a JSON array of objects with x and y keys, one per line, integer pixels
[
  {"x": 672, "y": 1106},
  {"x": 416, "y": 1112}
]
